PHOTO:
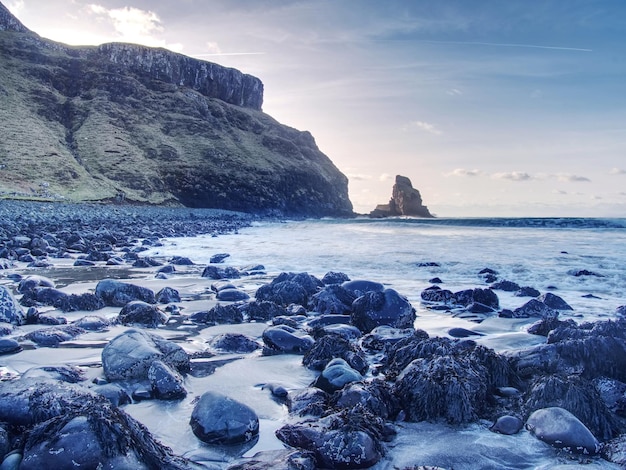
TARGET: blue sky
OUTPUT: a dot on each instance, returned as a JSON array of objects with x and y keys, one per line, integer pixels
[{"x": 492, "y": 108}]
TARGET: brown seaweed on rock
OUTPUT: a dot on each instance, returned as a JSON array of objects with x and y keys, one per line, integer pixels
[
  {"x": 578, "y": 396},
  {"x": 442, "y": 378}
]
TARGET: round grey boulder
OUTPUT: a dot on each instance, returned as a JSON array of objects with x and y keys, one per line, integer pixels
[
  {"x": 382, "y": 308},
  {"x": 217, "y": 419},
  {"x": 130, "y": 355},
  {"x": 560, "y": 428}
]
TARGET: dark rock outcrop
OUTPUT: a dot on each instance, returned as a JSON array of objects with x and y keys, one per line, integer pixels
[
  {"x": 405, "y": 200},
  {"x": 125, "y": 122}
]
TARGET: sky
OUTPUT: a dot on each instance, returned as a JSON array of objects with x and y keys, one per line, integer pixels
[{"x": 490, "y": 107}]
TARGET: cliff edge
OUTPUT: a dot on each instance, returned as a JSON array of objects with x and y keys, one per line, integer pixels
[{"x": 123, "y": 122}]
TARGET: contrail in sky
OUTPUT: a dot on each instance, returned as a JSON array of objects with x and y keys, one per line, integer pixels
[{"x": 497, "y": 44}]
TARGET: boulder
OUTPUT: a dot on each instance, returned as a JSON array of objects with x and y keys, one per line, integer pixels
[
  {"x": 330, "y": 347},
  {"x": 10, "y": 310},
  {"x": 289, "y": 288},
  {"x": 141, "y": 313},
  {"x": 232, "y": 295},
  {"x": 217, "y": 419},
  {"x": 382, "y": 308},
  {"x": 217, "y": 315},
  {"x": 336, "y": 375},
  {"x": 535, "y": 308},
  {"x": 560, "y": 428},
  {"x": 130, "y": 355},
  {"x": 117, "y": 294},
  {"x": 167, "y": 384},
  {"x": 554, "y": 301},
  {"x": 167, "y": 295},
  {"x": 262, "y": 310},
  {"x": 284, "y": 339},
  {"x": 333, "y": 299},
  {"x": 92, "y": 323},
  {"x": 234, "y": 343},
  {"x": 349, "y": 440},
  {"x": 54, "y": 335}
]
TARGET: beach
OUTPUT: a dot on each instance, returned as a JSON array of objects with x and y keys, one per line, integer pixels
[{"x": 579, "y": 261}]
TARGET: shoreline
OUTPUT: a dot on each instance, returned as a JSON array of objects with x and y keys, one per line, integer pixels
[{"x": 246, "y": 377}]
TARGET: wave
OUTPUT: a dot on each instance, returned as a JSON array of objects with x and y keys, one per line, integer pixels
[{"x": 513, "y": 222}]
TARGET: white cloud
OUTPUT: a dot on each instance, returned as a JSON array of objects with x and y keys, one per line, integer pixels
[
  {"x": 617, "y": 171},
  {"x": 573, "y": 178},
  {"x": 133, "y": 25},
  {"x": 424, "y": 126},
  {"x": 358, "y": 177},
  {"x": 463, "y": 172},
  {"x": 16, "y": 6},
  {"x": 513, "y": 176},
  {"x": 385, "y": 177},
  {"x": 454, "y": 92}
]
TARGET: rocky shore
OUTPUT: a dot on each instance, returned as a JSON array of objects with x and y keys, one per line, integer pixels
[{"x": 77, "y": 278}]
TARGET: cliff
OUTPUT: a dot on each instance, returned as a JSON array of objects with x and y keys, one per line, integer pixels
[
  {"x": 146, "y": 125},
  {"x": 405, "y": 200}
]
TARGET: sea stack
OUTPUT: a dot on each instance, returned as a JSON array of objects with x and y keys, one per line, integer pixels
[{"x": 405, "y": 200}]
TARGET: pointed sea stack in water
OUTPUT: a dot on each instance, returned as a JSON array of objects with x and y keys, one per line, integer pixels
[{"x": 405, "y": 200}]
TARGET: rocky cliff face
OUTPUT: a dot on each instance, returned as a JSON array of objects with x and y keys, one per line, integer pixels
[
  {"x": 145, "y": 125},
  {"x": 405, "y": 200}
]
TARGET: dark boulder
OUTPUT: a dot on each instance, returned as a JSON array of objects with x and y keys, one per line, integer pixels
[
  {"x": 92, "y": 323},
  {"x": 217, "y": 419},
  {"x": 54, "y": 335},
  {"x": 507, "y": 425},
  {"x": 284, "y": 339},
  {"x": 330, "y": 347},
  {"x": 215, "y": 272},
  {"x": 181, "y": 261},
  {"x": 554, "y": 301},
  {"x": 218, "y": 315},
  {"x": 166, "y": 383},
  {"x": 358, "y": 287},
  {"x": 382, "y": 308},
  {"x": 9, "y": 346},
  {"x": 81, "y": 302},
  {"x": 377, "y": 397},
  {"x": 289, "y": 288},
  {"x": 332, "y": 277},
  {"x": 310, "y": 401},
  {"x": 437, "y": 295},
  {"x": 130, "y": 354},
  {"x": 117, "y": 294},
  {"x": 576, "y": 395},
  {"x": 262, "y": 310},
  {"x": 232, "y": 295},
  {"x": 506, "y": 286},
  {"x": 535, "y": 308},
  {"x": 167, "y": 295},
  {"x": 10, "y": 310},
  {"x": 336, "y": 375},
  {"x": 234, "y": 343},
  {"x": 219, "y": 258},
  {"x": 33, "y": 281},
  {"x": 560, "y": 428},
  {"x": 527, "y": 291},
  {"x": 333, "y": 299},
  {"x": 349, "y": 439},
  {"x": 143, "y": 314}
]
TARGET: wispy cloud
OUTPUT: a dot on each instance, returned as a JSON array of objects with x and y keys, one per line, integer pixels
[
  {"x": 385, "y": 177},
  {"x": 454, "y": 92},
  {"x": 513, "y": 176},
  {"x": 358, "y": 177},
  {"x": 617, "y": 171},
  {"x": 463, "y": 172},
  {"x": 573, "y": 178},
  {"x": 424, "y": 126}
]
